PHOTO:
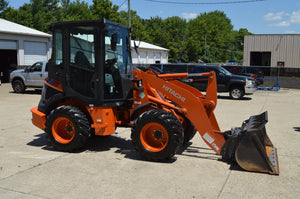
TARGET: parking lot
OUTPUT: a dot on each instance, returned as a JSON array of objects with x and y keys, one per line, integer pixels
[{"x": 111, "y": 168}]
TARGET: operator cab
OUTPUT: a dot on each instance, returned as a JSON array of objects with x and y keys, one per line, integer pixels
[{"x": 91, "y": 59}]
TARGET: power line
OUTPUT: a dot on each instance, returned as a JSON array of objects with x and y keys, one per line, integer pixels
[
  {"x": 122, "y": 3},
  {"x": 203, "y": 3}
]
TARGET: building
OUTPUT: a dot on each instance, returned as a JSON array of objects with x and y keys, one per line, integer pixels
[
  {"x": 20, "y": 45},
  {"x": 148, "y": 53},
  {"x": 272, "y": 50}
]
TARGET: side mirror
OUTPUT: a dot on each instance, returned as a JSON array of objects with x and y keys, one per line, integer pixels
[
  {"x": 221, "y": 75},
  {"x": 114, "y": 41}
]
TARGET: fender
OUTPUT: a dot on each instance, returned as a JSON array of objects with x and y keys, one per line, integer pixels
[{"x": 137, "y": 111}]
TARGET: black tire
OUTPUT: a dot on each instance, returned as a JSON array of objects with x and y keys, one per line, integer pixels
[
  {"x": 157, "y": 135},
  {"x": 68, "y": 128},
  {"x": 18, "y": 86},
  {"x": 189, "y": 130},
  {"x": 236, "y": 93}
]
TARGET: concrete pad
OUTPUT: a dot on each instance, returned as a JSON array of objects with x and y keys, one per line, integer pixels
[{"x": 110, "y": 167}]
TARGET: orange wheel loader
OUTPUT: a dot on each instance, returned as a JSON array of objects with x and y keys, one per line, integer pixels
[{"x": 92, "y": 88}]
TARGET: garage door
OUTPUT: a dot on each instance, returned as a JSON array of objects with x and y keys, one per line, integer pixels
[
  {"x": 134, "y": 57},
  {"x": 8, "y": 45},
  {"x": 151, "y": 58},
  {"x": 143, "y": 58},
  {"x": 34, "y": 52}
]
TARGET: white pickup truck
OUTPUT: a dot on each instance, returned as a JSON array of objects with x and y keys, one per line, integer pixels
[{"x": 32, "y": 77}]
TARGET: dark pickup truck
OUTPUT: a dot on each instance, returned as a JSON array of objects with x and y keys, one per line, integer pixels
[{"x": 236, "y": 85}]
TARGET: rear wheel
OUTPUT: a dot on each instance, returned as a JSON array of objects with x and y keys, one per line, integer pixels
[
  {"x": 236, "y": 92},
  {"x": 18, "y": 86},
  {"x": 157, "y": 135},
  {"x": 68, "y": 128}
]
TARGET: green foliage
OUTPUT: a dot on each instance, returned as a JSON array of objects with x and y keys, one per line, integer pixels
[
  {"x": 139, "y": 30},
  {"x": 3, "y": 5},
  {"x": 75, "y": 11},
  {"x": 105, "y": 9},
  {"x": 209, "y": 37},
  {"x": 213, "y": 31}
]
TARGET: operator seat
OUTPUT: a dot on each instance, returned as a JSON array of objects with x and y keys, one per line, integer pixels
[{"x": 81, "y": 60}]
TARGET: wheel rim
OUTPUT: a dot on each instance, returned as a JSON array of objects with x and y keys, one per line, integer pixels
[
  {"x": 154, "y": 137},
  {"x": 63, "y": 130},
  {"x": 17, "y": 87},
  {"x": 236, "y": 93}
]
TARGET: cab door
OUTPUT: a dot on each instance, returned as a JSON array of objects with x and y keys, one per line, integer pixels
[
  {"x": 82, "y": 60},
  {"x": 35, "y": 75}
]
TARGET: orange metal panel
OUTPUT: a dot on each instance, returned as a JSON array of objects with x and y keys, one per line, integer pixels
[
  {"x": 104, "y": 120},
  {"x": 54, "y": 84},
  {"x": 38, "y": 118}
]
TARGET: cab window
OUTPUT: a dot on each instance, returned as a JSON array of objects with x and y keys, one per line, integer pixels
[{"x": 37, "y": 67}]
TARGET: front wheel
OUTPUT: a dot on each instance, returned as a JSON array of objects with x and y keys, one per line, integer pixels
[
  {"x": 68, "y": 128},
  {"x": 157, "y": 135},
  {"x": 18, "y": 86},
  {"x": 236, "y": 93}
]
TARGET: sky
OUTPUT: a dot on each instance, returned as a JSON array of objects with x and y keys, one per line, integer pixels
[{"x": 258, "y": 16}]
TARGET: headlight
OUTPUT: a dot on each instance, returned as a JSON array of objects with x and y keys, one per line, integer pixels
[{"x": 250, "y": 82}]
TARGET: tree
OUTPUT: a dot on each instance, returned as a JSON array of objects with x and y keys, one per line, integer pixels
[
  {"x": 213, "y": 31},
  {"x": 78, "y": 10},
  {"x": 105, "y": 9},
  {"x": 3, "y": 5},
  {"x": 239, "y": 43},
  {"x": 176, "y": 29},
  {"x": 156, "y": 30},
  {"x": 139, "y": 31},
  {"x": 45, "y": 12}
]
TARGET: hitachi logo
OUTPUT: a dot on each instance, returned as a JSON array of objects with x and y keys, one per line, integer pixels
[{"x": 172, "y": 92}]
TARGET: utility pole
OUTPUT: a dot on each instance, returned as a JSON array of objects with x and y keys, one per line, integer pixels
[
  {"x": 129, "y": 20},
  {"x": 205, "y": 46}
]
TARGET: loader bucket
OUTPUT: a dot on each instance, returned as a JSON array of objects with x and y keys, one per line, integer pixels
[{"x": 251, "y": 147}]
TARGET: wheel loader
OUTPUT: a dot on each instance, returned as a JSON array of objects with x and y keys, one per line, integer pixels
[{"x": 92, "y": 89}]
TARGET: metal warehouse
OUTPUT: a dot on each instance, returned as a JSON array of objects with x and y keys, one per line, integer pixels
[
  {"x": 20, "y": 45},
  {"x": 281, "y": 50}
]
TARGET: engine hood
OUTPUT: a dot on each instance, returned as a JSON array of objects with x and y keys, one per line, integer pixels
[
  {"x": 18, "y": 71},
  {"x": 241, "y": 77}
]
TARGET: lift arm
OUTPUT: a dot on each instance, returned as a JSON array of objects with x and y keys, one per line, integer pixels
[{"x": 167, "y": 91}]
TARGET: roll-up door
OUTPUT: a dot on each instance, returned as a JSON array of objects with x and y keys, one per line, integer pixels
[
  {"x": 134, "y": 57},
  {"x": 8, "y": 45},
  {"x": 143, "y": 58},
  {"x": 34, "y": 52},
  {"x": 151, "y": 58}
]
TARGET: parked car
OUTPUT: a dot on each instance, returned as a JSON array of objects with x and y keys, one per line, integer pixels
[
  {"x": 236, "y": 85},
  {"x": 253, "y": 72},
  {"x": 31, "y": 77}
]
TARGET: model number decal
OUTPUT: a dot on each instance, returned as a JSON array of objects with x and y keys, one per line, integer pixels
[
  {"x": 173, "y": 92},
  {"x": 210, "y": 140}
]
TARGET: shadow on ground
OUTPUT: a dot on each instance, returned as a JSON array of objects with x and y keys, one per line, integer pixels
[
  {"x": 229, "y": 98},
  {"x": 198, "y": 152},
  {"x": 28, "y": 92},
  {"x": 297, "y": 129},
  {"x": 125, "y": 147}
]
